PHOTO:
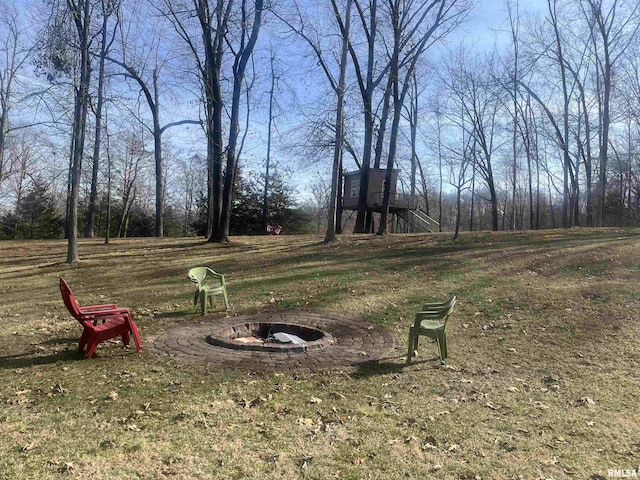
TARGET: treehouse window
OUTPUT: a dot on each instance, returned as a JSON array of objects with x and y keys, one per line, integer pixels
[{"x": 355, "y": 187}]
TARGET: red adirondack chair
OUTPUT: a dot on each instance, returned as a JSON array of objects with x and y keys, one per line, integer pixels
[{"x": 100, "y": 322}]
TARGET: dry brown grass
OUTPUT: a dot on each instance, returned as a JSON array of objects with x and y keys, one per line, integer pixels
[{"x": 542, "y": 380}]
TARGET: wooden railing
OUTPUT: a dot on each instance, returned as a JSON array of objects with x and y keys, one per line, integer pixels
[{"x": 396, "y": 200}]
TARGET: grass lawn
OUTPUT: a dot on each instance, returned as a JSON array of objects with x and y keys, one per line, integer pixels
[{"x": 542, "y": 379}]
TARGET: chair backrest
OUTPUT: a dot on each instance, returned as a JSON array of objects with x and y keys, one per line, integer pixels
[
  {"x": 438, "y": 306},
  {"x": 452, "y": 303},
  {"x": 200, "y": 275},
  {"x": 441, "y": 314},
  {"x": 70, "y": 300}
]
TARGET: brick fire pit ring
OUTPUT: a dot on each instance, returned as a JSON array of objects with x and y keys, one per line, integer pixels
[{"x": 348, "y": 341}]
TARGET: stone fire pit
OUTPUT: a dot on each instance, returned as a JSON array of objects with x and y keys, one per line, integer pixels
[{"x": 325, "y": 340}]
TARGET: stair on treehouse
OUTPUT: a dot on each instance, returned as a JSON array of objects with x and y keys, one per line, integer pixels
[{"x": 416, "y": 221}]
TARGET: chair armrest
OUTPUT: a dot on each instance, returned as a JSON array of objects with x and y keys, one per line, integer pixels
[
  {"x": 91, "y": 308},
  {"x": 430, "y": 316},
  {"x": 216, "y": 275},
  {"x": 217, "y": 280},
  {"x": 105, "y": 314}
]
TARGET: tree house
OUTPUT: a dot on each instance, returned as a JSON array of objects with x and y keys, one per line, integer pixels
[{"x": 407, "y": 209}]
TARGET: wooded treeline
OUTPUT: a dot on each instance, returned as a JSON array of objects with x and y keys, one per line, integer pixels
[{"x": 122, "y": 118}]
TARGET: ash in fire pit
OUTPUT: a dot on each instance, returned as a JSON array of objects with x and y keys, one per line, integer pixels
[{"x": 271, "y": 337}]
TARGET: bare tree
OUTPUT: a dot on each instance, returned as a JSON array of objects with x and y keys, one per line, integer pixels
[
  {"x": 368, "y": 81},
  {"x": 300, "y": 26},
  {"x": 13, "y": 56},
  {"x": 218, "y": 41},
  {"x": 130, "y": 161},
  {"x": 339, "y": 88},
  {"x": 190, "y": 179},
  {"x": 108, "y": 7},
  {"x": 142, "y": 60},
  {"x": 614, "y": 26},
  {"x": 265, "y": 195},
  {"x": 80, "y": 13},
  {"x": 514, "y": 24},
  {"x": 415, "y": 27},
  {"x": 472, "y": 91}
]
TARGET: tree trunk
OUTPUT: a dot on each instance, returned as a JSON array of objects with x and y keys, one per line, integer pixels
[
  {"x": 107, "y": 233},
  {"x": 82, "y": 19},
  {"x": 157, "y": 154},
  {"x": 458, "y": 205},
  {"x": 265, "y": 202},
  {"x": 91, "y": 214},
  {"x": 239, "y": 67},
  {"x": 363, "y": 217},
  {"x": 440, "y": 178},
  {"x": 339, "y": 129}
]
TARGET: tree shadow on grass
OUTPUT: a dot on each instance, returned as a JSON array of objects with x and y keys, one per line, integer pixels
[
  {"x": 385, "y": 366},
  {"x": 70, "y": 341},
  {"x": 375, "y": 368},
  {"x": 178, "y": 314},
  {"x": 24, "y": 360}
]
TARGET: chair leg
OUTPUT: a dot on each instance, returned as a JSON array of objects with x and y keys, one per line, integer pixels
[
  {"x": 91, "y": 348},
  {"x": 226, "y": 299},
  {"x": 196, "y": 295},
  {"x": 203, "y": 302},
  {"x": 442, "y": 346},
  {"x": 444, "y": 341},
  {"x": 413, "y": 339},
  {"x": 136, "y": 335},
  {"x": 83, "y": 340},
  {"x": 125, "y": 339}
]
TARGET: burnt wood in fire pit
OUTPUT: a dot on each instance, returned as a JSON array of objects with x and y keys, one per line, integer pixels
[{"x": 271, "y": 337}]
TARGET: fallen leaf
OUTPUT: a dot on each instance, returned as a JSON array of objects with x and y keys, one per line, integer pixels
[
  {"x": 306, "y": 421},
  {"x": 59, "y": 389},
  {"x": 315, "y": 400},
  {"x": 305, "y": 461},
  {"x": 28, "y": 447},
  {"x": 259, "y": 399},
  {"x": 113, "y": 395},
  {"x": 492, "y": 406}
]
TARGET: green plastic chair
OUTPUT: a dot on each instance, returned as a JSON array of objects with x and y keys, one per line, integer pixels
[
  {"x": 208, "y": 284},
  {"x": 431, "y": 321}
]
